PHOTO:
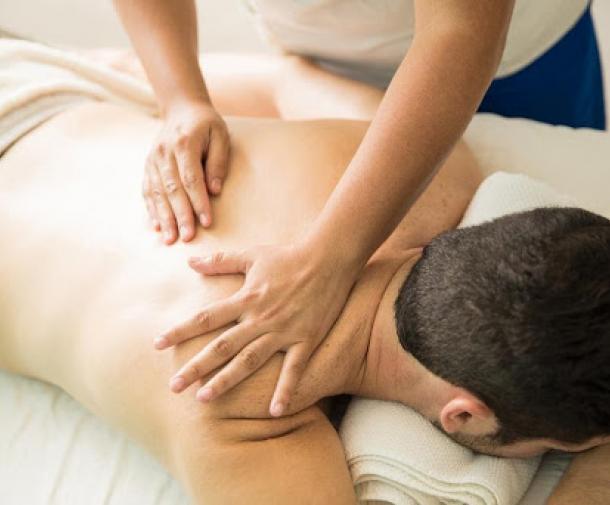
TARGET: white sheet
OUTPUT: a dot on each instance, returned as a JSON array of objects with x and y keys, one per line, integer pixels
[
  {"x": 54, "y": 452},
  {"x": 37, "y": 82}
]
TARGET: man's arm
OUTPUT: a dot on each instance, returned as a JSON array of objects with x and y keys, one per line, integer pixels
[
  {"x": 587, "y": 481},
  {"x": 267, "y": 85}
]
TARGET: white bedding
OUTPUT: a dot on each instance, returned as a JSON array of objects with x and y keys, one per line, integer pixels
[{"x": 54, "y": 452}]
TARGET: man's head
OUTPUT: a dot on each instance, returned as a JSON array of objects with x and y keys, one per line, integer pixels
[{"x": 516, "y": 314}]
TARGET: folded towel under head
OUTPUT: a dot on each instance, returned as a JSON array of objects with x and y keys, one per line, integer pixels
[{"x": 396, "y": 456}]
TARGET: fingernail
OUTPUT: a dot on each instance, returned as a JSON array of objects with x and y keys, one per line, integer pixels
[
  {"x": 183, "y": 231},
  {"x": 167, "y": 236},
  {"x": 204, "y": 394},
  {"x": 194, "y": 261},
  {"x": 155, "y": 225},
  {"x": 176, "y": 384},
  {"x": 276, "y": 409},
  {"x": 216, "y": 185},
  {"x": 204, "y": 220},
  {"x": 160, "y": 342}
]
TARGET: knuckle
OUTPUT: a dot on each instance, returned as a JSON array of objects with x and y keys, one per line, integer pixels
[
  {"x": 250, "y": 359},
  {"x": 191, "y": 179},
  {"x": 160, "y": 150},
  {"x": 203, "y": 320},
  {"x": 217, "y": 258},
  {"x": 195, "y": 369},
  {"x": 157, "y": 194},
  {"x": 220, "y": 383},
  {"x": 182, "y": 140},
  {"x": 249, "y": 295},
  {"x": 270, "y": 314},
  {"x": 222, "y": 348},
  {"x": 171, "y": 186}
]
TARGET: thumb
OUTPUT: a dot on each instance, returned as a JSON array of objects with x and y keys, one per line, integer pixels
[
  {"x": 217, "y": 160},
  {"x": 221, "y": 263}
]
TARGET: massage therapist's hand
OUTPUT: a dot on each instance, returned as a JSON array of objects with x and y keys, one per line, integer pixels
[
  {"x": 289, "y": 301},
  {"x": 177, "y": 187}
]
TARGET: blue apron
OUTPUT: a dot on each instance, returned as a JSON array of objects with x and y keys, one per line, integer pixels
[{"x": 564, "y": 86}]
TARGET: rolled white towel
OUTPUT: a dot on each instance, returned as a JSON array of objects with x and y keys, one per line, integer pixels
[
  {"x": 502, "y": 193},
  {"x": 396, "y": 456}
]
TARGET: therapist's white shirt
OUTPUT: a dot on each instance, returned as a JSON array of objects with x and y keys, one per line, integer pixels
[{"x": 367, "y": 39}]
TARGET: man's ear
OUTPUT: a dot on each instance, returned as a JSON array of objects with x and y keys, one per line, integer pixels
[{"x": 465, "y": 413}]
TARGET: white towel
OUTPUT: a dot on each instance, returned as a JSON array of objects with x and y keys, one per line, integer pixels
[
  {"x": 503, "y": 193},
  {"x": 398, "y": 457},
  {"x": 38, "y": 81}
]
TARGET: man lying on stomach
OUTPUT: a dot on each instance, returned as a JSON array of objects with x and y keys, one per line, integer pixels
[{"x": 85, "y": 289}]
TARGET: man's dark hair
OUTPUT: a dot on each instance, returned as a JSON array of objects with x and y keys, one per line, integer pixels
[{"x": 517, "y": 311}]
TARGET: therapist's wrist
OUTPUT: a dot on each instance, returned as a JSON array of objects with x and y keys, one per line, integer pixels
[
  {"x": 184, "y": 101},
  {"x": 331, "y": 255}
]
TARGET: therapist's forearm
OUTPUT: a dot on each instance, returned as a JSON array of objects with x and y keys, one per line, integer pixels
[
  {"x": 164, "y": 34},
  {"x": 587, "y": 480},
  {"x": 429, "y": 103}
]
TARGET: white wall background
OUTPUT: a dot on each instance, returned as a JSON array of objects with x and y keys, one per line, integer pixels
[{"x": 225, "y": 25}]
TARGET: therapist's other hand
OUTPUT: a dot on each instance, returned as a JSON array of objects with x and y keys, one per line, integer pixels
[
  {"x": 289, "y": 301},
  {"x": 176, "y": 186}
]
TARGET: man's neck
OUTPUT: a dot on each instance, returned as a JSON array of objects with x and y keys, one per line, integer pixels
[
  {"x": 362, "y": 354},
  {"x": 387, "y": 371}
]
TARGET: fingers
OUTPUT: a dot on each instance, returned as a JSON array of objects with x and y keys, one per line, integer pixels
[
  {"x": 192, "y": 130},
  {"x": 248, "y": 361},
  {"x": 217, "y": 159},
  {"x": 216, "y": 353},
  {"x": 163, "y": 209},
  {"x": 221, "y": 263},
  {"x": 292, "y": 370},
  {"x": 191, "y": 173},
  {"x": 178, "y": 199},
  {"x": 211, "y": 318}
]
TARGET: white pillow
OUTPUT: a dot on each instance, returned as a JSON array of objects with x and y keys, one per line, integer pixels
[{"x": 502, "y": 193}]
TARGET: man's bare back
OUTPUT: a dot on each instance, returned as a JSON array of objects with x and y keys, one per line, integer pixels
[{"x": 80, "y": 257}]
